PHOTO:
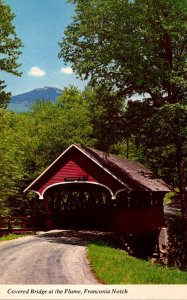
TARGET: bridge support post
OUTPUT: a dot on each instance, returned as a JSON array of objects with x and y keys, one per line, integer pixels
[{"x": 48, "y": 221}]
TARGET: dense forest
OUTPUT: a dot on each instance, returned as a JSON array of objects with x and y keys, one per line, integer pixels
[
  {"x": 30, "y": 141},
  {"x": 125, "y": 48}
]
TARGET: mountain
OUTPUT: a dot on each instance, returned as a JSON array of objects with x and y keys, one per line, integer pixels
[{"x": 22, "y": 102}]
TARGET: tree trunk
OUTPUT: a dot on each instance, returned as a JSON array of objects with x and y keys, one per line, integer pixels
[
  {"x": 183, "y": 196},
  {"x": 127, "y": 151}
]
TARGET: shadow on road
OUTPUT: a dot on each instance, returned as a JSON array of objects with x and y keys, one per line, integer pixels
[{"x": 73, "y": 237}]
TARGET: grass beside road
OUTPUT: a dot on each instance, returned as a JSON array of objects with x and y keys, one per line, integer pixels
[
  {"x": 115, "y": 266},
  {"x": 12, "y": 236}
]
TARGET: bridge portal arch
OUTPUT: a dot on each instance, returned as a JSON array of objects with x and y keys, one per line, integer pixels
[{"x": 80, "y": 205}]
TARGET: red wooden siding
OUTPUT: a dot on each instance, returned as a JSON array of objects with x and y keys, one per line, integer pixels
[
  {"x": 139, "y": 221},
  {"x": 70, "y": 169},
  {"x": 76, "y": 164}
]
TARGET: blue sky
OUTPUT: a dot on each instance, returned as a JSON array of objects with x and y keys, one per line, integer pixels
[{"x": 40, "y": 24}]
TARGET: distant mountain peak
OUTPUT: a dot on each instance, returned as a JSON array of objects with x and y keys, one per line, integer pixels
[{"x": 22, "y": 102}]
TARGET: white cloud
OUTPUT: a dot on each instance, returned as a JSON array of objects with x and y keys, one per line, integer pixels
[
  {"x": 36, "y": 72},
  {"x": 66, "y": 70}
]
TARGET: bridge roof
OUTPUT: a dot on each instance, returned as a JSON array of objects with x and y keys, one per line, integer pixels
[
  {"x": 124, "y": 172},
  {"x": 130, "y": 172}
]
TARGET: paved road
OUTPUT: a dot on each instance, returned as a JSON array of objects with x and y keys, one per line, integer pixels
[{"x": 55, "y": 257}]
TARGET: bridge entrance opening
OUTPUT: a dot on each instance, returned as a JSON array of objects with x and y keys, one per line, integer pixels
[{"x": 80, "y": 206}]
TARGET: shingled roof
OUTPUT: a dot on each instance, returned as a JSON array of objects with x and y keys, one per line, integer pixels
[{"x": 131, "y": 173}]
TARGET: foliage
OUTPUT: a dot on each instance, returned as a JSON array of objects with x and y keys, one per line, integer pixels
[
  {"x": 4, "y": 96},
  {"x": 139, "y": 47},
  {"x": 78, "y": 129},
  {"x": 132, "y": 46},
  {"x": 11, "y": 169},
  {"x": 158, "y": 135},
  {"x": 9, "y": 49},
  {"x": 115, "y": 266},
  {"x": 175, "y": 247},
  {"x": 29, "y": 142},
  {"x": 106, "y": 111},
  {"x": 169, "y": 196}
]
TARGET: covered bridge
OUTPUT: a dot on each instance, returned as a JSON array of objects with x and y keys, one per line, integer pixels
[{"x": 88, "y": 188}]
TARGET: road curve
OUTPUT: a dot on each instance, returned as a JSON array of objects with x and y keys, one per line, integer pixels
[{"x": 55, "y": 257}]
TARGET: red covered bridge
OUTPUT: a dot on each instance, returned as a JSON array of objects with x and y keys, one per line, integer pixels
[{"x": 88, "y": 188}]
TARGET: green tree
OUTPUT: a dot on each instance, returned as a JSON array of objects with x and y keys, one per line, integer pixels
[
  {"x": 139, "y": 47},
  {"x": 11, "y": 162},
  {"x": 134, "y": 47},
  {"x": 106, "y": 110},
  {"x": 4, "y": 96},
  {"x": 9, "y": 49},
  {"x": 158, "y": 131}
]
